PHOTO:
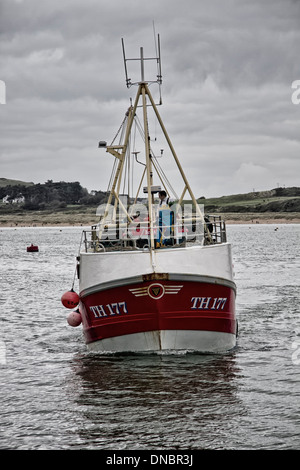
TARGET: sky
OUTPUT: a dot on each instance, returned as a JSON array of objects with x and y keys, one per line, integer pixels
[{"x": 227, "y": 68}]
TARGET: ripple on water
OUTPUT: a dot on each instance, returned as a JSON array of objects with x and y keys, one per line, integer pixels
[{"x": 54, "y": 394}]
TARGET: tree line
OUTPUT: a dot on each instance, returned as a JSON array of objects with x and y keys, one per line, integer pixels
[{"x": 51, "y": 195}]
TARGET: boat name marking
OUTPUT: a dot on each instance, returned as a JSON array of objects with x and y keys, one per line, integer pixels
[
  {"x": 205, "y": 303},
  {"x": 109, "y": 309}
]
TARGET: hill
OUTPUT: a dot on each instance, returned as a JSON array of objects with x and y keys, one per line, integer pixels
[
  {"x": 8, "y": 182},
  {"x": 61, "y": 203},
  {"x": 274, "y": 200},
  {"x": 50, "y": 195}
]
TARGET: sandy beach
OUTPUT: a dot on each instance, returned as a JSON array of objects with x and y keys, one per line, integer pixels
[
  {"x": 262, "y": 218},
  {"x": 88, "y": 217}
]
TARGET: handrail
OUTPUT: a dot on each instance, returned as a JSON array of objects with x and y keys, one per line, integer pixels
[{"x": 121, "y": 236}]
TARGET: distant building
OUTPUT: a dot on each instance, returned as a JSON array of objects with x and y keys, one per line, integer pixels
[{"x": 17, "y": 200}]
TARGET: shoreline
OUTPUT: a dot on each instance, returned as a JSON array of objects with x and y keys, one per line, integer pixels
[{"x": 39, "y": 219}]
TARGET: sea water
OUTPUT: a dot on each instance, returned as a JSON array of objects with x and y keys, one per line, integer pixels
[{"x": 54, "y": 394}]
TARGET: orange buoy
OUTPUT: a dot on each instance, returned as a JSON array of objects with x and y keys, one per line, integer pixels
[
  {"x": 74, "y": 318},
  {"x": 70, "y": 299}
]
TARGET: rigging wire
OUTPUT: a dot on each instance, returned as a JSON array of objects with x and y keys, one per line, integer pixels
[
  {"x": 115, "y": 164},
  {"x": 121, "y": 128},
  {"x": 129, "y": 169},
  {"x": 167, "y": 181},
  {"x": 161, "y": 171}
]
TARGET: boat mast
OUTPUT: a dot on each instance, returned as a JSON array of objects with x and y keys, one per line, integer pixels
[
  {"x": 187, "y": 185},
  {"x": 145, "y": 91},
  {"x": 119, "y": 151},
  {"x": 147, "y": 151}
]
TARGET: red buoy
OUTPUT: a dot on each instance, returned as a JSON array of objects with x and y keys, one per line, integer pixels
[
  {"x": 70, "y": 299},
  {"x": 32, "y": 248},
  {"x": 74, "y": 318}
]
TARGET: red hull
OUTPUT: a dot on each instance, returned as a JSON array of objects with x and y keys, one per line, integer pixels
[{"x": 158, "y": 305}]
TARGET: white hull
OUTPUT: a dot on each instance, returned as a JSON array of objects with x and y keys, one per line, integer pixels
[
  {"x": 104, "y": 270},
  {"x": 167, "y": 340}
]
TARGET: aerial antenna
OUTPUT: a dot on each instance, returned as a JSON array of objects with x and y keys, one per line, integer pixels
[
  {"x": 142, "y": 60},
  {"x": 154, "y": 35},
  {"x": 159, "y": 75},
  {"x": 128, "y": 80},
  {"x": 157, "y": 51}
]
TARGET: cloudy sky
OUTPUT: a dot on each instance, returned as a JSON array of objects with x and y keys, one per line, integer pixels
[{"x": 227, "y": 65}]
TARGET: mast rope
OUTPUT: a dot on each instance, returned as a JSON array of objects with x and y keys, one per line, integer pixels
[
  {"x": 115, "y": 164},
  {"x": 161, "y": 171},
  {"x": 120, "y": 128}
]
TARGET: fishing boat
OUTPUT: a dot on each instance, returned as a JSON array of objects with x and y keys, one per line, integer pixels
[{"x": 155, "y": 272}]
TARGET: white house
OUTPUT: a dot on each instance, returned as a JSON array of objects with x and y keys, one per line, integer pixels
[{"x": 18, "y": 200}]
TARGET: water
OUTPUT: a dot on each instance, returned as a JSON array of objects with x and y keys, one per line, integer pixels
[{"x": 56, "y": 395}]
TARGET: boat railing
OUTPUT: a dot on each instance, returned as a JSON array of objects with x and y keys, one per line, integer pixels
[
  {"x": 217, "y": 228},
  {"x": 121, "y": 237}
]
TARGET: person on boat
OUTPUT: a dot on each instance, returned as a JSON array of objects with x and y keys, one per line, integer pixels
[
  {"x": 208, "y": 223},
  {"x": 165, "y": 221},
  {"x": 163, "y": 199}
]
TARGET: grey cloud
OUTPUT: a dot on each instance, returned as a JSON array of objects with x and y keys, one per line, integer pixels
[{"x": 227, "y": 74}]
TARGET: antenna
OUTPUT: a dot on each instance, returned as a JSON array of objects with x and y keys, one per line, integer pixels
[
  {"x": 159, "y": 76},
  {"x": 142, "y": 59},
  {"x": 128, "y": 80},
  {"x": 157, "y": 50}
]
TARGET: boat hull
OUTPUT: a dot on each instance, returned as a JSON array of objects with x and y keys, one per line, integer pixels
[
  {"x": 167, "y": 340},
  {"x": 161, "y": 314},
  {"x": 177, "y": 299}
]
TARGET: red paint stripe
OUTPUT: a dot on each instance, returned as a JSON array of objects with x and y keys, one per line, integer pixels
[{"x": 108, "y": 318}]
